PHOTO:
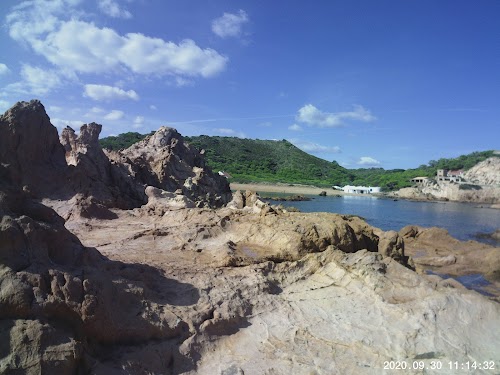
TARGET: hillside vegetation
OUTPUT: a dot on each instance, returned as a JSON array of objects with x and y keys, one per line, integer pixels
[
  {"x": 121, "y": 141},
  {"x": 253, "y": 160},
  {"x": 273, "y": 161}
]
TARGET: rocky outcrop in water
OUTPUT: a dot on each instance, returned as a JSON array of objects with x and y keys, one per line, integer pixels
[{"x": 435, "y": 250}]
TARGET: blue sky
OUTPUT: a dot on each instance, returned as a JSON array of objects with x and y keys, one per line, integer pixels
[{"x": 389, "y": 84}]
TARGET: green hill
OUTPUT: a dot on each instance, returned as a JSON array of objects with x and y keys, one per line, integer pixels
[
  {"x": 253, "y": 160},
  {"x": 272, "y": 161}
]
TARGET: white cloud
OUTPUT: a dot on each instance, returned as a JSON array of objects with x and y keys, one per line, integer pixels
[
  {"x": 54, "y": 30},
  {"x": 55, "y": 108},
  {"x": 112, "y": 9},
  {"x": 4, "y": 69},
  {"x": 96, "y": 110},
  {"x": 229, "y": 24},
  {"x": 183, "y": 82},
  {"x": 230, "y": 132},
  {"x": 114, "y": 115},
  {"x": 138, "y": 122},
  {"x": 311, "y": 115},
  {"x": 295, "y": 128},
  {"x": 62, "y": 123},
  {"x": 153, "y": 107},
  {"x": 368, "y": 161},
  {"x": 35, "y": 80},
  {"x": 315, "y": 148},
  {"x": 104, "y": 92}
]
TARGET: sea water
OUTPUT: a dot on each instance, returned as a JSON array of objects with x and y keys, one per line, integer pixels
[{"x": 463, "y": 221}]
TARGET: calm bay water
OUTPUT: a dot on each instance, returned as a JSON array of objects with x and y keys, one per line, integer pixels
[{"x": 462, "y": 220}]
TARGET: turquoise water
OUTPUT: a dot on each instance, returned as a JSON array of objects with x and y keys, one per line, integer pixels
[{"x": 462, "y": 220}]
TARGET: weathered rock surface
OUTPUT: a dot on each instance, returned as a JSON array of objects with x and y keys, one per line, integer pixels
[
  {"x": 482, "y": 186},
  {"x": 444, "y": 190},
  {"x": 95, "y": 177},
  {"x": 298, "y": 293},
  {"x": 230, "y": 290},
  {"x": 30, "y": 153},
  {"x": 486, "y": 172},
  {"x": 74, "y": 168},
  {"x": 165, "y": 161},
  {"x": 63, "y": 306},
  {"x": 434, "y": 249}
]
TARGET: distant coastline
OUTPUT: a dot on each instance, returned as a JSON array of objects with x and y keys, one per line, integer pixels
[
  {"x": 314, "y": 190},
  {"x": 292, "y": 189}
]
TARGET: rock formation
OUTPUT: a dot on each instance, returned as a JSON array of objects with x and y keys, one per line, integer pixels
[
  {"x": 63, "y": 305},
  {"x": 486, "y": 172},
  {"x": 165, "y": 161},
  {"x": 434, "y": 249},
  {"x": 76, "y": 167},
  {"x": 94, "y": 176},
  {"x": 445, "y": 190},
  {"x": 30, "y": 153},
  {"x": 169, "y": 288},
  {"x": 482, "y": 185}
]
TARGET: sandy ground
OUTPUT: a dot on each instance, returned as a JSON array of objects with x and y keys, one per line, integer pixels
[{"x": 288, "y": 189}]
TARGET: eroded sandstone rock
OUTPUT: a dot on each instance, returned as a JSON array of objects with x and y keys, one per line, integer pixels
[
  {"x": 435, "y": 249},
  {"x": 165, "y": 161},
  {"x": 30, "y": 153}
]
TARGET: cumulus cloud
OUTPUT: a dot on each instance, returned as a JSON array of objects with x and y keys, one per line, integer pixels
[
  {"x": 55, "y": 30},
  {"x": 315, "y": 148},
  {"x": 311, "y": 115},
  {"x": 35, "y": 80},
  {"x": 368, "y": 161},
  {"x": 4, "y": 69},
  {"x": 295, "y": 128},
  {"x": 113, "y": 9},
  {"x": 229, "y": 25},
  {"x": 104, "y": 92},
  {"x": 114, "y": 115},
  {"x": 230, "y": 132}
]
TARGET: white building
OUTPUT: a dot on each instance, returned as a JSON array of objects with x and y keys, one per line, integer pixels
[{"x": 361, "y": 189}]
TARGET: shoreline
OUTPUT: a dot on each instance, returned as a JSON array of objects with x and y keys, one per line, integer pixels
[
  {"x": 298, "y": 189},
  {"x": 293, "y": 189}
]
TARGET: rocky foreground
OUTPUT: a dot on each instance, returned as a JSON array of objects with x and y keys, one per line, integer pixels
[{"x": 142, "y": 262}]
